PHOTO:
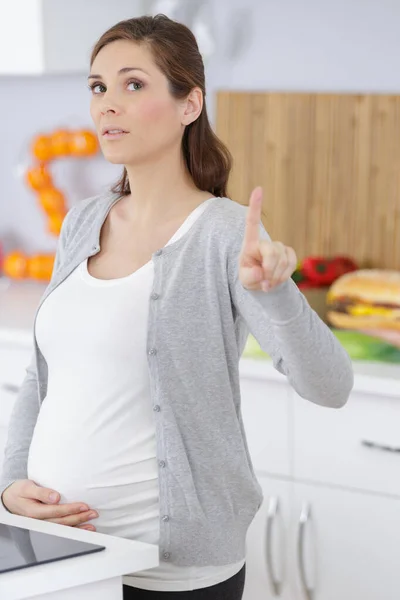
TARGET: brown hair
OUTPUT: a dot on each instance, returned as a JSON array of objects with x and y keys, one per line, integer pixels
[{"x": 177, "y": 55}]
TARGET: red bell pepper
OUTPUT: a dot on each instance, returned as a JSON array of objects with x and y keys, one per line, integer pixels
[
  {"x": 343, "y": 264},
  {"x": 320, "y": 271},
  {"x": 323, "y": 271}
]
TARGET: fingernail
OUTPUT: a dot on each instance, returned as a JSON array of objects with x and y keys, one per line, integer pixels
[
  {"x": 265, "y": 286},
  {"x": 83, "y": 508},
  {"x": 93, "y": 514},
  {"x": 89, "y": 527},
  {"x": 53, "y": 497}
]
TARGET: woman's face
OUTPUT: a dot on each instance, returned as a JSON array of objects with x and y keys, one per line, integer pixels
[{"x": 129, "y": 92}]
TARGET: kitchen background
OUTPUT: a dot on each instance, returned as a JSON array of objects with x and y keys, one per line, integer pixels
[
  {"x": 344, "y": 51},
  {"x": 306, "y": 94},
  {"x": 311, "y": 46}
]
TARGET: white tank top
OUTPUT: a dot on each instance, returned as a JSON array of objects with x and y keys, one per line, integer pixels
[{"x": 94, "y": 439}]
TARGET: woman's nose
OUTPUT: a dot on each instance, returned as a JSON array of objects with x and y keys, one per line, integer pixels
[{"x": 110, "y": 109}]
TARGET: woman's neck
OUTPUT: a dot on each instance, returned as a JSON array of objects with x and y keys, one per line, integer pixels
[{"x": 161, "y": 188}]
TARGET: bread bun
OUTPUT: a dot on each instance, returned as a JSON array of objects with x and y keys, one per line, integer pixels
[
  {"x": 369, "y": 285},
  {"x": 365, "y": 299},
  {"x": 345, "y": 321}
]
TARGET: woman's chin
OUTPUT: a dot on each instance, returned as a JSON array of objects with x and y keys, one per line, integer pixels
[{"x": 116, "y": 158}]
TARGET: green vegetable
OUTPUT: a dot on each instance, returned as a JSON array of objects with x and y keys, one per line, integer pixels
[
  {"x": 365, "y": 347},
  {"x": 358, "y": 345}
]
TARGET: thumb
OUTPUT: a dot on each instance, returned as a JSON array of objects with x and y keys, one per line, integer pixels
[{"x": 43, "y": 494}]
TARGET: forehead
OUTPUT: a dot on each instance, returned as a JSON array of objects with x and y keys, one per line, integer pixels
[{"x": 123, "y": 53}]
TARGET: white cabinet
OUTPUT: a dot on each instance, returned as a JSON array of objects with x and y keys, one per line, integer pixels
[
  {"x": 357, "y": 447},
  {"x": 349, "y": 544},
  {"x": 270, "y": 556},
  {"x": 311, "y": 542},
  {"x": 329, "y": 526},
  {"x": 55, "y": 36},
  {"x": 266, "y": 411}
]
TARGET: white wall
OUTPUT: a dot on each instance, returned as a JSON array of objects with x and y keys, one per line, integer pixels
[
  {"x": 309, "y": 45},
  {"x": 316, "y": 45}
]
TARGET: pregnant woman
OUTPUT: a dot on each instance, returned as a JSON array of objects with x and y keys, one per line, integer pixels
[{"x": 128, "y": 420}]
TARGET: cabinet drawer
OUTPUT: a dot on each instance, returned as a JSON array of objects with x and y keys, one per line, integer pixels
[
  {"x": 265, "y": 410},
  {"x": 357, "y": 446}
]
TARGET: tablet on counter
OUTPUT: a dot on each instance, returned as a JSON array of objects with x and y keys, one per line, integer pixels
[{"x": 21, "y": 548}]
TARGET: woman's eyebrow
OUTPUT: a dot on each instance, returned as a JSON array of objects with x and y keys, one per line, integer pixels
[{"x": 120, "y": 72}]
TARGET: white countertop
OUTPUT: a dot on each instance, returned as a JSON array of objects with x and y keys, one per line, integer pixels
[
  {"x": 121, "y": 556},
  {"x": 382, "y": 379},
  {"x": 19, "y": 300}
]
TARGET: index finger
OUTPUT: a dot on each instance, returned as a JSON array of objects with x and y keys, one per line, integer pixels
[{"x": 253, "y": 219}]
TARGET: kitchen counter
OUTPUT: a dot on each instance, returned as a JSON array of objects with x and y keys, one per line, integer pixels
[
  {"x": 95, "y": 576},
  {"x": 19, "y": 300}
]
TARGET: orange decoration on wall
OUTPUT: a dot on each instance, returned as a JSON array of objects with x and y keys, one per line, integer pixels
[
  {"x": 52, "y": 201},
  {"x": 15, "y": 265},
  {"x": 45, "y": 148},
  {"x": 83, "y": 143},
  {"x": 41, "y": 148},
  {"x": 40, "y": 266},
  {"x": 60, "y": 142},
  {"x": 38, "y": 177}
]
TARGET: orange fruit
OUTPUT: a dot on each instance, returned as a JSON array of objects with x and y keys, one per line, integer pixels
[
  {"x": 38, "y": 177},
  {"x": 40, "y": 266},
  {"x": 15, "y": 265},
  {"x": 55, "y": 222},
  {"x": 83, "y": 143},
  {"x": 52, "y": 200},
  {"x": 60, "y": 142},
  {"x": 41, "y": 148}
]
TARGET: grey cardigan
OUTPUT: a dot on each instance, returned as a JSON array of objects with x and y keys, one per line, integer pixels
[{"x": 199, "y": 319}]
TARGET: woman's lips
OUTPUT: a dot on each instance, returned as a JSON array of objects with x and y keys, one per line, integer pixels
[{"x": 114, "y": 136}]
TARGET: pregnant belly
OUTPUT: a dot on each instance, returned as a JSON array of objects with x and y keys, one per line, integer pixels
[{"x": 116, "y": 477}]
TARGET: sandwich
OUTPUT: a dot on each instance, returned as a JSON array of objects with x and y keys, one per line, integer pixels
[{"x": 365, "y": 299}]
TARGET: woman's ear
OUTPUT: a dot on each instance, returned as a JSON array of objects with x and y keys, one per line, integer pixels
[{"x": 193, "y": 106}]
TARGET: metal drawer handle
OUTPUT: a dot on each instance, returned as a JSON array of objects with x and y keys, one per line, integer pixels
[
  {"x": 273, "y": 509},
  {"x": 304, "y": 518},
  {"x": 377, "y": 446},
  {"x": 10, "y": 387}
]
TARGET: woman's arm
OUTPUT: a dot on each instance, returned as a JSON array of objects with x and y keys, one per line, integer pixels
[
  {"x": 300, "y": 344},
  {"x": 20, "y": 429}
]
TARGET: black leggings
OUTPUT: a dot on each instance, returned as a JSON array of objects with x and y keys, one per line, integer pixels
[{"x": 231, "y": 589}]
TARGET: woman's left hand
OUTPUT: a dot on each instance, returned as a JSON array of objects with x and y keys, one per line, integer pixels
[{"x": 263, "y": 265}]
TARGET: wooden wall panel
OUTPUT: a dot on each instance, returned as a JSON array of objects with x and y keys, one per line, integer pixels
[{"x": 329, "y": 165}]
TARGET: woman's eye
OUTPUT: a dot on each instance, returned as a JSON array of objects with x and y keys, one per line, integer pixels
[
  {"x": 96, "y": 85},
  {"x": 137, "y": 85},
  {"x": 99, "y": 88}
]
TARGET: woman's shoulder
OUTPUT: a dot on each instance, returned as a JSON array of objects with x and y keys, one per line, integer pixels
[
  {"x": 84, "y": 212},
  {"x": 90, "y": 205},
  {"x": 229, "y": 223},
  {"x": 230, "y": 214}
]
